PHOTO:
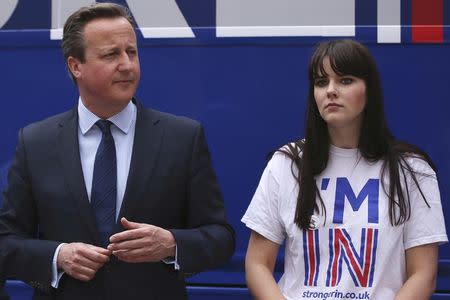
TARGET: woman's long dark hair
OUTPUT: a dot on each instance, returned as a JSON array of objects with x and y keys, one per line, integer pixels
[{"x": 310, "y": 156}]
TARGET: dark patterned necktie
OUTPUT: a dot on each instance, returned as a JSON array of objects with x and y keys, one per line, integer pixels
[{"x": 104, "y": 183}]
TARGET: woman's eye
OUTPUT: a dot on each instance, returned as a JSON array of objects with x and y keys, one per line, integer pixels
[
  {"x": 346, "y": 80},
  {"x": 320, "y": 82}
]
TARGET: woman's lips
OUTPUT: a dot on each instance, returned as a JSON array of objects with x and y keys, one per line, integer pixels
[{"x": 333, "y": 105}]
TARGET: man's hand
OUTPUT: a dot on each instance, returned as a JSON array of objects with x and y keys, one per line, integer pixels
[
  {"x": 81, "y": 261},
  {"x": 142, "y": 243}
]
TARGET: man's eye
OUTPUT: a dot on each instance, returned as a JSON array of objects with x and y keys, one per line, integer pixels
[
  {"x": 132, "y": 53},
  {"x": 346, "y": 80},
  {"x": 320, "y": 82}
]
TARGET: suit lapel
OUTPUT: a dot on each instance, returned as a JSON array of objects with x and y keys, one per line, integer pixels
[
  {"x": 69, "y": 153},
  {"x": 147, "y": 142}
]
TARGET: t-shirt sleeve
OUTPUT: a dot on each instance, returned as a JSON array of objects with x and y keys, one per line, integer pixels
[
  {"x": 262, "y": 214},
  {"x": 426, "y": 224}
]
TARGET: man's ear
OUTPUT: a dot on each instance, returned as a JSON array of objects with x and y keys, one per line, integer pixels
[{"x": 74, "y": 66}]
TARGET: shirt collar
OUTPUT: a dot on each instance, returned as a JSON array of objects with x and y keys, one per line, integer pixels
[{"x": 123, "y": 120}]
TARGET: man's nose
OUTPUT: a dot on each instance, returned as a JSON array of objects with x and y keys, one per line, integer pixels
[{"x": 125, "y": 62}]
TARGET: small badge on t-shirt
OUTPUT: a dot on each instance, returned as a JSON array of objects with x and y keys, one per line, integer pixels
[{"x": 314, "y": 223}]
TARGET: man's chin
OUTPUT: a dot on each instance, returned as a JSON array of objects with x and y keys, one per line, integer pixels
[{"x": 124, "y": 92}]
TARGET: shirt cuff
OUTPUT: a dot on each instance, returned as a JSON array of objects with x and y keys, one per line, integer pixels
[
  {"x": 56, "y": 276},
  {"x": 173, "y": 260}
]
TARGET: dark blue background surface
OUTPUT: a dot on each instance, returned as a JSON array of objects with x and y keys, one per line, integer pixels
[{"x": 250, "y": 95}]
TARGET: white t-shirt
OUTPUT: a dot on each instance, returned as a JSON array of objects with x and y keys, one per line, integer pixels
[{"x": 355, "y": 253}]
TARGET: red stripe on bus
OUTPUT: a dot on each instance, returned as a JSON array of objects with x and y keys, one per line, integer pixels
[{"x": 427, "y": 21}]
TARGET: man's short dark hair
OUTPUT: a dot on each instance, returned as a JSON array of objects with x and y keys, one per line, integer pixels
[{"x": 73, "y": 32}]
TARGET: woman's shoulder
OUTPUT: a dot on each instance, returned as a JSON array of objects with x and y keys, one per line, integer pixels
[
  {"x": 285, "y": 157},
  {"x": 415, "y": 158},
  {"x": 293, "y": 149},
  {"x": 419, "y": 164}
]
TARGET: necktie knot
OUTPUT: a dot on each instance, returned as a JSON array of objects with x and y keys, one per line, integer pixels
[{"x": 105, "y": 126}]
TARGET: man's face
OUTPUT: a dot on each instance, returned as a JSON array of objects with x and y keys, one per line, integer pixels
[{"x": 109, "y": 76}]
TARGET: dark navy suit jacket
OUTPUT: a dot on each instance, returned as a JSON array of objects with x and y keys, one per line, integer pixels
[
  {"x": 171, "y": 184},
  {"x": 3, "y": 294}
]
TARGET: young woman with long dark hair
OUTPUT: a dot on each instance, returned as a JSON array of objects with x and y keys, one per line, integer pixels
[{"x": 359, "y": 211}]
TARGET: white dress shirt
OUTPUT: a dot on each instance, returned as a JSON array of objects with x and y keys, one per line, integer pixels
[{"x": 90, "y": 136}]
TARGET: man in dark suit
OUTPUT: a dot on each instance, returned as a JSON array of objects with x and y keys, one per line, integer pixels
[
  {"x": 111, "y": 200},
  {"x": 3, "y": 294}
]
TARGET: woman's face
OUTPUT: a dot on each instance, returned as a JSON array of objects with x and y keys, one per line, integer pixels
[{"x": 340, "y": 99}]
